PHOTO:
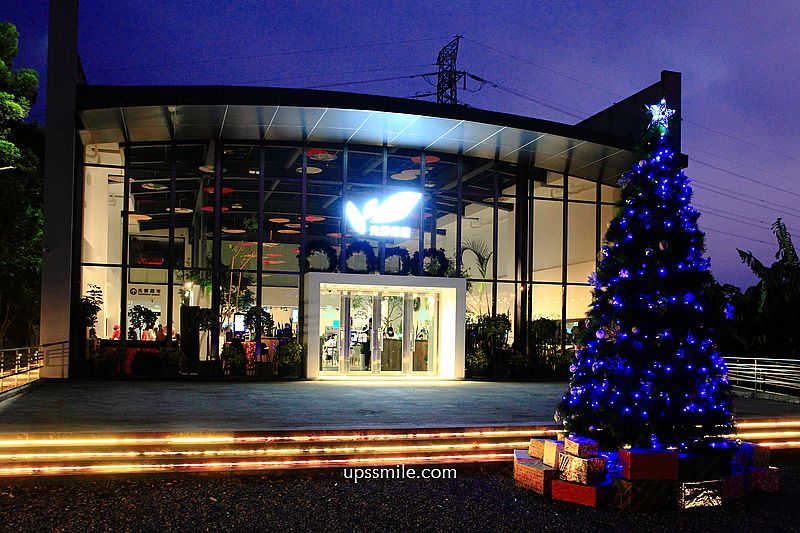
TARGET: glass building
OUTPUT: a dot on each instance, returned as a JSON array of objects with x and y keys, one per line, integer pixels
[{"x": 369, "y": 228}]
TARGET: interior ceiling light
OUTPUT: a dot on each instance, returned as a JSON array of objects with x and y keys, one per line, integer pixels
[
  {"x": 309, "y": 170},
  {"x": 288, "y": 231},
  {"x": 271, "y": 244},
  {"x": 429, "y": 159},
  {"x": 233, "y": 231},
  {"x": 273, "y": 255},
  {"x": 293, "y": 225},
  {"x": 150, "y": 186},
  {"x": 180, "y": 210},
  {"x": 273, "y": 262},
  {"x": 247, "y": 243},
  {"x": 335, "y": 235},
  {"x": 253, "y": 172},
  {"x": 412, "y": 171},
  {"x": 236, "y": 205},
  {"x": 501, "y": 199},
  {"x": 318, "y": 154},
  {"x": 225, "y": 190},
  {"x": 279, "y": 220},
  {"x": 296, "y": 251},
  {"x": 430, "y": 185},
  {"x": 210, "y": 208},
  {"x": 139, "y": 217},
  {"x": 112, "y": 178},
  {"x": 401, "y": 176},
  {"x": 208, "y": 167},
  {"x": 314, "y": 218}
]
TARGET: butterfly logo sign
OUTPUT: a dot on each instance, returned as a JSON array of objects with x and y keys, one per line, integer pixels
[{"x": 377, "y": 218}]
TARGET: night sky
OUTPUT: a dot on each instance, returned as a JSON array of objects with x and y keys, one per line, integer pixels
[{"x": 739, "y": 62}]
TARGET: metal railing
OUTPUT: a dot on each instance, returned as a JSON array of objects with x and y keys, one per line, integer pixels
[
  {"x": 776, "y": 376},
  {"x": 19, "y": 366}
]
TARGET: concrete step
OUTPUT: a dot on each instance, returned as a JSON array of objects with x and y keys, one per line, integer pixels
[{"x": 47, "y": 454}]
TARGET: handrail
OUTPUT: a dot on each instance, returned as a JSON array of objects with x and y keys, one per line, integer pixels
[
  {"x": 765, "y": 374},
  {"x": 19, "y": 366}
]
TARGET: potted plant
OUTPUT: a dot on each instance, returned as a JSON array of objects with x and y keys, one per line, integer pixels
[
  {"x": 141, "y": 317},
  {"x": 476, "y": 361},
  {"x": 288, "y": 356},
  {"x": 171, "y": 360},
  {"x": 207, "y": 321},
  {"x": 234, "y": 358},
  {"x": 110, "y": 361},
  {"x": 260, "y": 324}
]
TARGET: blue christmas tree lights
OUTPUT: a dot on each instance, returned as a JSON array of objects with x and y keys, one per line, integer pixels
[{"x": 647, "y": 372}]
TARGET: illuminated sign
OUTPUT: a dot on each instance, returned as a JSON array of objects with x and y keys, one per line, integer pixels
[{"x": 377, "y": 220}]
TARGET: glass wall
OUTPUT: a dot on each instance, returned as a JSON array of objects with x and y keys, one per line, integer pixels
[{"x": 186, "y": 240}]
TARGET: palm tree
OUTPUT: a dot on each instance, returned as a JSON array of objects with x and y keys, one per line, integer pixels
[
  {"x": 483, "y": 254},
  {"x": 776, "y": 297}
]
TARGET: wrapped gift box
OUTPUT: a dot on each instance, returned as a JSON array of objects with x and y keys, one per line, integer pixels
[
  {"x": 643, "y": 463},
  {"x": 752, "y": 455},
  {"x": 552, "y": 449},
  {"x": 646, "y": 496},
  {"x": 591, "y": 495},
  {"x": 536, "y": 448},
  {"x": 703, "y": 466},
  {"x": 585, "y": 470},
  {"x": 762, "y": 479},
  {"x": 699, "y": 494},
  {"x": 522, "y": 456},
  {"x": 580, "y": 446},
  {"x": 732, "y": 487},
  {"x": 534, "y": 475},
  {"x": 612, "y": 462}
]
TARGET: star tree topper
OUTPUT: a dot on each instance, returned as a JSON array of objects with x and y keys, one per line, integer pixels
[{"x": 661, "y": 115}]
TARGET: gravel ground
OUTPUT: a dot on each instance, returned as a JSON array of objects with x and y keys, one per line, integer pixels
[{"x": 482, "y": 498}]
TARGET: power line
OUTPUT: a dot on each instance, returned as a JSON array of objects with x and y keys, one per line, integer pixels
[
  {"x": 273, "y": 54},
  {"x": 537, "y": 65},
  {"x": 714, "y": 230},
  {"x": 520, "y": 94},
  {"x": 787, "y": 191},
  {"x": 393, "y": 78},
  {"x": 738, "y": 198},
  {"x": 729, "y": 136},
  {"x": 361, "y": 71},
  {"x": 607, "y": 91},
  {"x": 742, "y": 163}
]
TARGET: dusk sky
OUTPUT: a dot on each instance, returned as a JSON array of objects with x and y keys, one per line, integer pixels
[{"x": 739, "y": 62}]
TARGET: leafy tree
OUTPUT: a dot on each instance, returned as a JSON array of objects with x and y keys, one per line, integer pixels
[
  {"x": 767, "y": 315},
  {"x": 647, "y": 371},
  {"x": 21, "y": 153}
]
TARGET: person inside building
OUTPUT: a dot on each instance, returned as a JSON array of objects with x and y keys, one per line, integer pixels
[
  {"x": 161, "y": 334},
  {"x": 116, "y": 335}
]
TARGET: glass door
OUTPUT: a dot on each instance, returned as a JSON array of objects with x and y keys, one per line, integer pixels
[
  {"x": 361, "y": 332},
  {"x": 391, "y": 332},
  {"x": 331, "y": 331},
  {"x": 424, "y": 324}
]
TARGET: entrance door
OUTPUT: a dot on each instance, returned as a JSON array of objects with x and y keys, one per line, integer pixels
[
  {"x": 391, "y": 332},
  {"x": 361, "y": 332}
]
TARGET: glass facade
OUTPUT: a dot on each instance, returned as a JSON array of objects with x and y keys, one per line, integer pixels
[{"x": 178, "y": 227}]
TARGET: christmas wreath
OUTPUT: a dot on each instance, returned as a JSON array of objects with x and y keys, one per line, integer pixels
[
  {"x": 438, "y": 263},
  {"x": 404, "y": 257},
  {"x": 324, "y": 248},
  {"x": 364, "y": 248}
]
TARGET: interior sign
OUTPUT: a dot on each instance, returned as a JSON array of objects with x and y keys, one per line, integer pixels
[{"x": 379, "y": 219}]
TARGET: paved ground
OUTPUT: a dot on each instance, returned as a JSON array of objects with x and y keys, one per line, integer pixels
[
  {"x": 481, "y": 498},
  {"x": 197, "y": 406}
]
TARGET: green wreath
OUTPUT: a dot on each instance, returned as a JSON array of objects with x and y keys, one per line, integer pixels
[
  {"x": 363, "y": 247},
  {"x": 325, "y": 248},
  {"x": 403, "y": 255},
  {"x": 438, "y": 265}
]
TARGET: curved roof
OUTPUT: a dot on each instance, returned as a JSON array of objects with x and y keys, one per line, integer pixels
[{"x": 192, "y": 113}]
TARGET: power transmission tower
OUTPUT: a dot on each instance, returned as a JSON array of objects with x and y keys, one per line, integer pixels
[{"x": 448, "y": 76}]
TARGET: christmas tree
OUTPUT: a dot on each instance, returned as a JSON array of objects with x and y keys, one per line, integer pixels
[{"x": 647, "y": 372}]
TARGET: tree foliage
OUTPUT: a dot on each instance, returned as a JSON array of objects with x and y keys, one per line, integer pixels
[
  {"x": 21, "y": 179},
  {"x": 648, "y": 371}
]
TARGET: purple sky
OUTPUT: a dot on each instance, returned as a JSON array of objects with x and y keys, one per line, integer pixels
[{"x": 739, "y": 65}]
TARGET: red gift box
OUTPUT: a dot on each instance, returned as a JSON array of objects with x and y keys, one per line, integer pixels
[
  {"x": 763, "y": 479},
  {"x": 590, "y": 495},
  {"x": 580, "y": 446},
  {"x": 732, "y": 487},
  {"x": 534, "y": 475},
  {"x": 644, "y": 463}
]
